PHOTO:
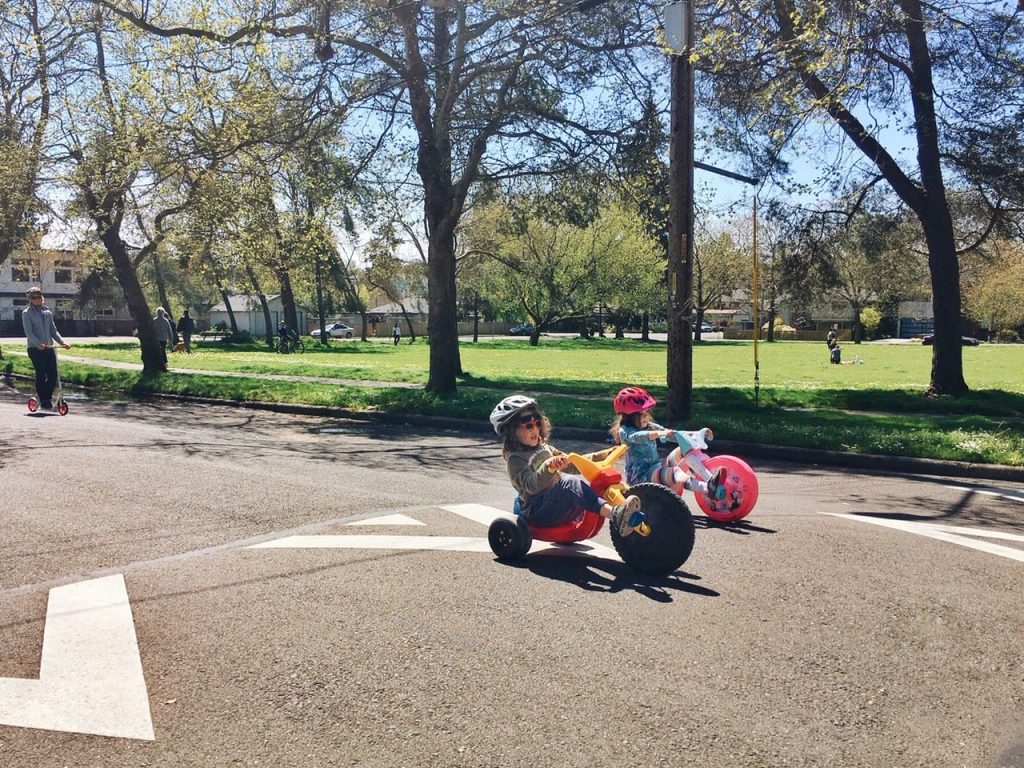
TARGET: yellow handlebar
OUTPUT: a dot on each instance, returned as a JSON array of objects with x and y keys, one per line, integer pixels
[{"x": 590, "y": 468}]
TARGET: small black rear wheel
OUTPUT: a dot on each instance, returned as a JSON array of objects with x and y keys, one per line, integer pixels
[
  {"x": 509, "y": 539},
  {"x": 672, "y": 535}
]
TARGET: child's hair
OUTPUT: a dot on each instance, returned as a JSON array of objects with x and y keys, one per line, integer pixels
[
  {"x": 629, "y": 419},
  {"x": 510, "y": 443}
]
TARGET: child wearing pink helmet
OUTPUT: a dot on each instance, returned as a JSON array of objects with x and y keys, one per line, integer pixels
[{"x": 635, "y": 426}]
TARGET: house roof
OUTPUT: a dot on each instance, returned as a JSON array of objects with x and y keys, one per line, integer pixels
[
  {"x": 242, "y": 301},
  {"x": 414, "y": 305}
]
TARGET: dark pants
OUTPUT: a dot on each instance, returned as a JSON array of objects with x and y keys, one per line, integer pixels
[
  {"x": 187, "y": 338},
  {"x": 163, "y": 352},
  {"x": 45, "y": 363},
  {"x": 563, "y": 502}
]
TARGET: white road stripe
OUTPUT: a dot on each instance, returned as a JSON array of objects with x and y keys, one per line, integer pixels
[
  {"x": 90, "y": 672},
  {"x": 388, "y": 520},
  {"x": 1009, "y": 495},
  {"x": 949, "y": 533}
]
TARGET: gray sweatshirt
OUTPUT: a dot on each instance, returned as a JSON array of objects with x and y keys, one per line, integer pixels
[{"x": 39, "y": 327}]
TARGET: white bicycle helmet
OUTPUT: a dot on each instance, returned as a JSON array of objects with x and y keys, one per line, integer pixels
[{"x": 508, "y": 409}]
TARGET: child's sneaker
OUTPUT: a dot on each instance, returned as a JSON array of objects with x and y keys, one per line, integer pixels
[
  {"x": 628, "y": 512},
  {"x": 716, "y": 485}
]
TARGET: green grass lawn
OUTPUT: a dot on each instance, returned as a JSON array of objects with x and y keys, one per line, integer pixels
[{"x": 874, "y": 407}]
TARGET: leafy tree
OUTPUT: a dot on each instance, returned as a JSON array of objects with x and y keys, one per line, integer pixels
[
  {"x": 943, "y": 76},
  {"x": 556, "y": 271},
  {"x": 720, "y": 266},
  {"x": 470, "y": 82},
  {"x": 37, "y": 40},
  {"x": 997, "y": 297}
]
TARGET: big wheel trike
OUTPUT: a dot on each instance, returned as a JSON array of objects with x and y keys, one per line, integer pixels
[
  {"x": 740, "y": 481},
  {"x": 662, "y": 543}
]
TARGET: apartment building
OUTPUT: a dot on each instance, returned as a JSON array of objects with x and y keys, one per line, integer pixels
[{"x": 59, "y": 272}]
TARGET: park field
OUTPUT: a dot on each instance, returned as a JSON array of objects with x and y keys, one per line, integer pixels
[{"x": 873, "y": 403}]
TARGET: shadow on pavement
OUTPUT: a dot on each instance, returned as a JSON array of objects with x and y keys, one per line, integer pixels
[{"x": 600, "y": 575}]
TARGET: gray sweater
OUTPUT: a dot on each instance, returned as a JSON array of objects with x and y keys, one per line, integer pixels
[{"x": 39, "y": 327}]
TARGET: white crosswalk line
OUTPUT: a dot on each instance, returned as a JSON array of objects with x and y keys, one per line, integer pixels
[{"x": 948, "y": 533}]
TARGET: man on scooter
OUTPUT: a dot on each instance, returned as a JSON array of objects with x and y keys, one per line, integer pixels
[{"x": 41, "y": 332}]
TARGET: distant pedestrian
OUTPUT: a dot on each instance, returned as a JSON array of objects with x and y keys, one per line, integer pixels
[
  {"x": 835, "y": 355},
  {"x": 164, "y": 333},
  {"x": 187, "y": 326},
  {"x": 396, "y": 334},
  {"x": 830, "y": 340}
]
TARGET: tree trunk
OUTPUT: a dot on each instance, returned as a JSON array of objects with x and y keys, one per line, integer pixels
[
  {"x": 161, "y": 285},
  {"x": 268, "y": 325},
  {"x": 152, "y": 361},
  {"x": 442, "y": 324},
  {"x": 947, "y": 351},
  {"x": 227, "y": 305},
  {"x": 320, "y": 303},
  {"x": 291, "y": 315}
]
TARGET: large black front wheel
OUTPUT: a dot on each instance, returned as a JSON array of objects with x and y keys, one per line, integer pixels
[{"x": 670, "y": 541}]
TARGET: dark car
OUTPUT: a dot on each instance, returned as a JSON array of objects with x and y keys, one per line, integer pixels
[
  {"x": 967, "y": 341},
  {"x": 523, "y": 329}
]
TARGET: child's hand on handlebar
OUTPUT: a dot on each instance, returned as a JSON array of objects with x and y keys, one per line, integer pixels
[{"x": 556, "y": 462}]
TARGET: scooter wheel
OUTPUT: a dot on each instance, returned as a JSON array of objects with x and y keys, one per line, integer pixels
[
  {"x": 62, "y": 408},
  {"x": 671, "y": 538},
  {"x": 509, "y": 539},
  {"x": 33, "y": 405},
  {"x": 740, "y": 491}
]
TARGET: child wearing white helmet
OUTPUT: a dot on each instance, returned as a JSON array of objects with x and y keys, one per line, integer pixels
[
  {"x": 547, "y": 497},
  {"x": 635, "y": 426}
]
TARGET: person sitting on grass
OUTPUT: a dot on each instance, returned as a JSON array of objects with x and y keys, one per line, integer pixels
[
  {"x": 635, "y": 426},
  {"x": 547, "y": 497}
]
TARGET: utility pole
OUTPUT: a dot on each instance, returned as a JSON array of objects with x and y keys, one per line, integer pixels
[{"x": 679, "y": 35}]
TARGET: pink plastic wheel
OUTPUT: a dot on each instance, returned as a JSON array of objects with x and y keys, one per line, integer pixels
[
  {"x": 62, "y": 408},
  {"x": 33, "y": 405},
  {"x": 740, "y": 491}
]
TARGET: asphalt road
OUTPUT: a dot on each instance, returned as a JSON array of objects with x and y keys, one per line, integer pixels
[{"x": 800, "y": 638}]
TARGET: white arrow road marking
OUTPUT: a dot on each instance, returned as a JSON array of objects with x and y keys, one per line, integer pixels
[
  {"x": 437, "y": 543},
  {"x": 478, "y": 513},
  {"x": 388, "y": 520},
  {"x": 953, "y": 534},
  {"x": 90, "y": 673}
]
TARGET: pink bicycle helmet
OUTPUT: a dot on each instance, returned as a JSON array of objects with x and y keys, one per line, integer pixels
[{"x": 633, "y": 400}]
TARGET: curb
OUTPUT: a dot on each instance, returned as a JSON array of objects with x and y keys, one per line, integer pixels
[{"x": 810, "y": 456}]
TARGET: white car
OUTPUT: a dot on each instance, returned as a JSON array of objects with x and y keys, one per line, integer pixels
[{"x": 336, "y": 331}]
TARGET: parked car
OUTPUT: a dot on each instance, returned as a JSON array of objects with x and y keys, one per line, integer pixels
[
  {"x": 523, "y": 329},
  {"x": 336, "y": 331},
  {"x": 707, "y": 328},
  {"x": 966, "y": 341}
]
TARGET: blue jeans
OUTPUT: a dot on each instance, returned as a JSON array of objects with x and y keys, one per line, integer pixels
[{"x": 563, "y": 502}]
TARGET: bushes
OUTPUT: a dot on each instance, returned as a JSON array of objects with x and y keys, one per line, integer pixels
[{"x": 1007, "y": 336}]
